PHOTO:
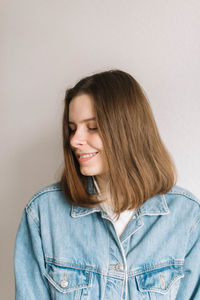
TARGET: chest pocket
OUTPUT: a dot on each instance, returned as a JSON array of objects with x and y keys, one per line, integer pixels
[
  {"x": 73, "y": 282},
  {"x": 161, "y": 281}
]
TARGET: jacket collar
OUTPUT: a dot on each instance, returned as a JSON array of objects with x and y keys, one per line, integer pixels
[
  {"x": 154, "y": 206},
  {"x": 78, "y": 211}
]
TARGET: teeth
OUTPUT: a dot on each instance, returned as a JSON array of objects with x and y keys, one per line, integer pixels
[{"x": 88, "y": 155}]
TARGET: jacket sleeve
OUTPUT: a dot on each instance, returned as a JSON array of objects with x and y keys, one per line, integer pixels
[
  {"x": 190, "y": 283},
  {"x": 30, "y": 283}
]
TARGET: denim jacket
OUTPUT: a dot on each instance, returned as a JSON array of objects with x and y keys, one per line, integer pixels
[{"x": 67, "y": 252}]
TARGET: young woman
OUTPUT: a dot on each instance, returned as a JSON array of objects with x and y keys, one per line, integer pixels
[{"x": 116, "y": 226}]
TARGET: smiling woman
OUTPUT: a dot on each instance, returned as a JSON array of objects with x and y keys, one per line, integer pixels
[
  {"x": 116, "y": 226},
  {"x": 132, "y": 164}
]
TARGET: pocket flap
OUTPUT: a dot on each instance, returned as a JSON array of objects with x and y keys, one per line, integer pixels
[
  {"x": 66, "y": 279},
  {"x": 159, "y": 280}
]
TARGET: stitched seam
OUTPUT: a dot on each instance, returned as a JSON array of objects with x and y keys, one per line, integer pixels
[
  {"x": 184, "y": 194},
  {"x": 125, "y": 279},
  {"x": 89, "y": 284},
  {"x": 75, "y": 215},
  {"x": 108, "y": 255},
  {"x": 108, "y": 239},
  {"x": 46, "y": 282},
  {"x": 62, "y": 263},
  {"x": 52, "y": 189},
  {"x": 154, "y": 214},
  {"x": 164, "y": 265},
  {"x": 139, "y": 227},
  {"x": 34, "y": 219},
  {"x": 194, "y": 225},
  {"x": 145, "y": 212},
  {"x": 165, "y": 204},
  {"x": 155, "y": 289},
  {"x": 109, "y": 259},
  {"x": 89, "y": 269}
]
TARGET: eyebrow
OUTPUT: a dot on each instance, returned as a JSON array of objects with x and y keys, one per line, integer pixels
[{"x": 83, "y": 121}]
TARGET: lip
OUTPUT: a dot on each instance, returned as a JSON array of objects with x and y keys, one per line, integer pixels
[{"x": 86, "y": 158}]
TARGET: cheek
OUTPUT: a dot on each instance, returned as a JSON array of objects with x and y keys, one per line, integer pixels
[{"x": 97, "y": 142}]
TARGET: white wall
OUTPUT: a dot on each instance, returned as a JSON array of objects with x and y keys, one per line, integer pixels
[{"x": 46, "y": 46}]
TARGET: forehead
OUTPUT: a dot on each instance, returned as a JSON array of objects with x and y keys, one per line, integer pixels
[{"x": 81, "y": 107}]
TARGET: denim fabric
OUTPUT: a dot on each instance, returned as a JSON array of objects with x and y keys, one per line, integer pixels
[{"x": 69, "y": 252}]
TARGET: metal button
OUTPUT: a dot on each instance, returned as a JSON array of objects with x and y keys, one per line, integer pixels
[
  {"x": 64, "y": 283},
  {"x": 118, "y": 267}
]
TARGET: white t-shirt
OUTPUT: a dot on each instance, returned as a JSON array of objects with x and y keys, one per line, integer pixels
[{"x": 124, "y": 218}]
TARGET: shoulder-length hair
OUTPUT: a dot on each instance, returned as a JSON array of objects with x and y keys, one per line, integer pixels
[{"x": 139, "y": 164}]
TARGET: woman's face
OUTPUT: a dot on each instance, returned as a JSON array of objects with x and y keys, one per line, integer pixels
[{"x": 85, "y": 140}]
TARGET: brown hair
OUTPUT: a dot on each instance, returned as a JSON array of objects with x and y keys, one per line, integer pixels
[{"x": 138, "y": 162}]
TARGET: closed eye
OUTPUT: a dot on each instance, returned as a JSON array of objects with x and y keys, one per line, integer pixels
[{"x": 73, "y": 130}]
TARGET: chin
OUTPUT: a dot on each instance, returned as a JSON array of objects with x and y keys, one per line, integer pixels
[{"x": 89, "y": 172}]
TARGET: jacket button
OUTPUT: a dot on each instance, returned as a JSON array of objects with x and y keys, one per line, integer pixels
[
  {"x": 134, "y": 217},
  {"x": 64, "y": 283},
  {"x": 118, "y": 267}
]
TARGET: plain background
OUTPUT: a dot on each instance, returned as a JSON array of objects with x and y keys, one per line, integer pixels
[{"x": 46, "y": 46}]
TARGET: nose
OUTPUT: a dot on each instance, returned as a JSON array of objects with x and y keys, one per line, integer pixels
[{"x": 78, "y": 139}]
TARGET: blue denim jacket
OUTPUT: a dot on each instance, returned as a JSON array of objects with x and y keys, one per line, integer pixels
[{"x": 69, "y": 252}]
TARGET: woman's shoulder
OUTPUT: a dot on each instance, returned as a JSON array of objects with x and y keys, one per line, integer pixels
[
  {"x": 180, "y": 192},
  {"x": 183, "y": 203},
  {"x": 47, "y": 189},
  {"x": 50, "y": 196}
]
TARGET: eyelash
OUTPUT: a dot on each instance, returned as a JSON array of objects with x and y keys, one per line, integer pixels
[
  {"x": 92, "y": 128},
  {"x": 73, "y": 130}
]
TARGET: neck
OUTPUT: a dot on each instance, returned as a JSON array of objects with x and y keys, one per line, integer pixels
[{"x": 102, "y": 182}]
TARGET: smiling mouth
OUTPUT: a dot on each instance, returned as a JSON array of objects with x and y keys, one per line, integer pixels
[{"x": 86, "y": 157}]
